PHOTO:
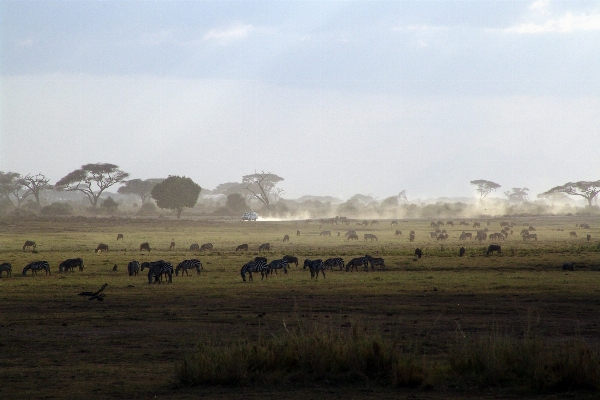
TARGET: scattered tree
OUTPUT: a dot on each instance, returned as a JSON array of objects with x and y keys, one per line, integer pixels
[
  {"x": 57, "y": 208},
  {"x": 176, "y": 193},
  {"x": 390, "y": 202},
  {"x": 554, "y": 197},
  {"x": 262, "y": 187},
  {"x": 36, "y": 183},
  {"x": 12, "y": 185},
  {"x": 236, "y": 203},
  {"x": 140, "y": 188},
  {"x": 109, "y": 204},
  {"x": 517, "y": 195},
  {"x": 484, "y": 187},
  {"x": 101, "y": 176},
  {"x": 586, "y": 189}
]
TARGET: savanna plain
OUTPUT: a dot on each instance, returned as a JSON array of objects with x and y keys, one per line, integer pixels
[{"x": 509, "y": 325}]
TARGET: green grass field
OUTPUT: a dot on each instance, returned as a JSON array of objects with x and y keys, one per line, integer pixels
[{"x": 56, "y": 344}]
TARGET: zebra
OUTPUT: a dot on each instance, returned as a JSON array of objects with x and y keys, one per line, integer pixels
[
  {"x": 172, "y": 246},
  {"x": 206, "y": 246},
  {"x": 188, "y": 264},
  {"x": 278, "y": 264},
  {"x": 286, "y": 238},
  {"x": 133, "y": 268},
  {"x": 253, "y": 266},
  {"x": 264, "y": 247},
  {"x": 334, "y": 262},
  {"x": 70, "y": 264},
  {"x": 375, "y": 261},
  {"x": 291, "y": 260},
  {"x": 355, "y": 262},
  {"x": 29, "y": 244},
  {"x": 6, "y": 267},
  {"x": 101, "y": 247},
  {"x": 315, "y": 267},
  {"x": 325, "y": 233},
  {"x": 145, "y": 246},
  {"x": 195, "y": 247},
  {"x": 370, "y": 236},
  {"x": 36, "y": 266},
  {"x": 157, "y": 269},
  {"x": 242, "y": 247},
  {"x": 352, "y": 236}
]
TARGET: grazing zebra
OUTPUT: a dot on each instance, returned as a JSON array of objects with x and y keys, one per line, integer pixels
[
  {"x": 70, "y": 264},
  {"x": 315, "y": 267},
  {"x": 494, "y": 248},
  {"x": 133, "y": 268},
  {"x": 206, "y": 246},
  {"x": 476, "y": 225},
  {"x": 291, "y": 260},
  {"x": 442, "y": 236},
  {"x": 29, "y": 244},
  {"x": 101, "y": 247},
  {"x": 242, "y": 247},
  {"x": 530, "y": 236},
  {"x": 172, "y": 246},
  {"x": 370, "y": 236},
  {"x": 449, "y": 223},
  {"x": 349, "y": 233},
  {"x": 157, "y": 269},
  {"x": 355, "y": 263},
  {"x": 462, "y": 251},
  {"x": 463, "y": 223},
  {"x": 188, "y": 264},
  {"x": 325, "y": 233},
  {"x": 352, "y": 236},
  {"x": 195, "y": 247},
  {"x": 286, "y": 238},
  {"x": 278, "y": 264},
  {"x": 375, "y": 262},
  {"x": 119, "y": 236},
  {"x": 264, "y": 247},
  {"x": 145, "y": 246},
  {"x": 6, "y": 267},
  {"x": 418, "y": 252},
  {"x": 334, "y": 262},
  {"x": 253, "y": 266},
  {"x": 37, "y": 266},
  {"x": 466, "y": 235}
]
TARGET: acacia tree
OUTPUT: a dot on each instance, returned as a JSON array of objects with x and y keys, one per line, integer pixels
[
  {"x": 176, "y": 192},
  {"x": 586, "y": 189},
  {"x": 36, "y": 183},
  {"x": 553, "y": 197},
  {"x": 262, "y": 186},
  {"x": 140, "y": 188},
  {"x": 517, "y": 195},
  {"x": 402, "y": 195},
  {"x": 12, "y": 185},
  {"x": 92, "y": 180},
  {"x": 484, "y": 187}
]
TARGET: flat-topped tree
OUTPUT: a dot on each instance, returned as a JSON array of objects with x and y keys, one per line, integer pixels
[
  {"x": 176, "y": 193},
  {"x": 484, "y": 187},
  {"x": 36, "y": 183},
  {"x": 517, "y": 195},
  {"x": 12, "y": 185},
  {"x": 140, "y": 188},
  {"x": 586, "y": 189},
  {"x": 92, "y": 179}
]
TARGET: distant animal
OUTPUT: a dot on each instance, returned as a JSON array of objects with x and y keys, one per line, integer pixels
[
  {"x": 70, "y": 264},
  {"x": 119, "y": 236},
  {"x": 278, "y": 264},
  {"x": 589, "y": 237},
  {"x": 291, "y": 260},
  {"x": 442, "y": 236},
  {"x": 370, "y": 236},
  {"x": 264, "y": 247},
  {"x": 462, "y": 251},
  {"x": 449, "y": 223},
  {"x": 145, "y": 246},
  {"x": 315, "y": 266},
  {"x": 195, "y": 247},
  {"x": 398, "y": 232},
  {"x": 36, "y": 266},
  {"x": 418, "y": 252},
  {"x": 524, "y": 231},
  {"x": 463, "y": 223},
  {"x": 286, "y": 238},
  {"x": 530, "y": 236},
  {"x": 263, "y": 259},
  {"x": 29, "y": 244},
  {"x": 334, "y": 262},
  {"x": 133, "y": 268},
  {"x": 6, "y": 267},
  {"x": 411, "y": 237},
  {"x": 114, "y": 267},
  {"x": 355, "y": 263},
  {"x": 476, "y": 225},
  {"x": 375, "y": 262},
  {"x": 494, "y": 248},
  {"x": 188, "y": 264},
  {"x": 374, "y": 222},
  {"x": 352, "y": 236},
  {"x": 242, "y": 247},
  {"x": 531, "y": 228},
  {"x": 504, "y": 224},
  {"x": 465, "y": 235},
  {"x": 172, "y": 246},
  {"x": 568, "y": 266},
  {"x": 101, "y": 247},
  {"x": 584, "y": 226},
  {"x": 206, "y": 246},
  {"x": 325, "y": 233},
  {"x": 394, "y": 223},
  {"x": 297, "y": 232},
  {"x": 572, "y": 234}
]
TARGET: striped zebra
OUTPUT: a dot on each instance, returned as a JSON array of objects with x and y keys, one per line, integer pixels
[
  {"x": 264, "y": 247},
  {"x": 188, "y": 264},
  {"x": 6, "y": 267},
  {"x": 278, "y": 264},
  {"x": 37, "y": 266},
  {"x": 355, "y": 263},
  {"x": 375, "y": 262},
  {"x": 334, "y": 262},
  {"x": 70, "y": 264},
  {"x": 195, "y": 247},
  {"x": 157, "y": 269},
  {"x": 291, "y": 260},
  {"x": 253, "y": 266},
  {"x": 133, "y": 268},
  {"x": 315, "y": 267}
]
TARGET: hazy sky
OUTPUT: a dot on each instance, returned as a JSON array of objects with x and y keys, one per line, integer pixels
[{"x": 336, "y": 97}]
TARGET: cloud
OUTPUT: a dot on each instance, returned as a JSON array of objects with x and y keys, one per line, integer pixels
[
  {"x": 542, "y": 22},
  {"x": 225, "y": 36}
]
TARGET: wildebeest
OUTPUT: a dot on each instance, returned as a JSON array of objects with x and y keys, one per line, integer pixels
[
  {"x": 297, "y": 232},
  {"x": 476, "y": 225},
  {"x": 568, "y": 266},
  {"x": 133, "y": 268},
  {"x": 352, "y": 236},
  {"x": 29, "y": 244},
  {"x": 291, "y": 260},
  {"x": 206, "y": 246},
  {"x": 145, "y": 246},
  {"x": 286, "y": 238},
  {"x": 572, "y": 234},
  {"x": 325, "y": 233},
  {"x": 6, "y": 267},
  {"x": 101, "y": 247},
  {"x": 411, "y": 237},
  {"x": 394, "y": 223},
  {"x": 398, "y": 232},
  {"x": 264, "y": 247},
  {"x": 462, "y": 251},
  {"x": 584, "y": 226},
  {"x": 119, "y": 236},
  {"x": 494, "y": 248},
  {"x": 418, "y": 252},
  {"x": 114, "y": 268},
  {"x": 70, "y": 264},
  {"x": 242, "y": 247},
  {"x": 195, "y": 247},
  {"x": 172, "y": 246},
  {"x": 370, "y": 236},
  {"x": 589, "y": 237}
]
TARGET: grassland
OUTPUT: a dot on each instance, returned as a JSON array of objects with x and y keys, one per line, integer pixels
[{"x": 55, "y": 344}]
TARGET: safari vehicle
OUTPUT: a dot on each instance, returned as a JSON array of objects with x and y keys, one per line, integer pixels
[{"x": 250, "y": 216}]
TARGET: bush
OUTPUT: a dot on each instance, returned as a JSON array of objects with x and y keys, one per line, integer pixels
[
  {"x": 109, "y": 204},
  {"x": 57, "y": 208},
  {"x": 148, "y": 209}
]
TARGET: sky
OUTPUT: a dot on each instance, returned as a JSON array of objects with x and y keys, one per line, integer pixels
[{"x": 336, "y": 97}]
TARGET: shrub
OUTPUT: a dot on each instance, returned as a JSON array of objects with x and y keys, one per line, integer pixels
[
  {"x": 148, "y": 209},
  {"x": 57, "y": 208}
]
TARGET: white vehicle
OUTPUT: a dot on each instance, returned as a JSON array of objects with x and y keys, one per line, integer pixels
[{"x": 250, "y": 216}]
